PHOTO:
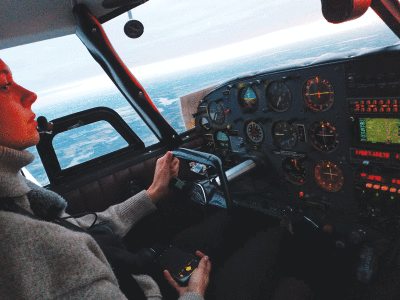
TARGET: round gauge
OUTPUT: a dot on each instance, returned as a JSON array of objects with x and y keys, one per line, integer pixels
[
  {"x": 318, "y": 93},
  {"x": 248, "y": 98},
  {"x": 216, "y": 113},
  {"x": 295, "y": 171},
  {"x": 254, "y": 133},
  {"x": 328, "y": 176},
  {"x": 323, "y": 136},
  {"x": 285, "y": 135},
  {"x": 205, "y": 123},
  {"x": 222, "y": 139},
  {"x": 279, "y": 96}
]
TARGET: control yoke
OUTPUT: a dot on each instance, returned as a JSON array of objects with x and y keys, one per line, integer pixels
[{"x": 209, "y": 160}]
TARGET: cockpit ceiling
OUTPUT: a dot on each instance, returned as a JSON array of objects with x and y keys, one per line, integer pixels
[{"x": 28, "y": 21}]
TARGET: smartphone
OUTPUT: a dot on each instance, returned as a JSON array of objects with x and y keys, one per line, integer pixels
[{"x": 179, "y": 263}]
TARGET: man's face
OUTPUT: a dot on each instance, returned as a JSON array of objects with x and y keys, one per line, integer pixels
[{"x": 17, "y": 120}]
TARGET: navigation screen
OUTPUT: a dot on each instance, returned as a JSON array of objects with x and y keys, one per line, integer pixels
[{"x": 380, "y": 130}]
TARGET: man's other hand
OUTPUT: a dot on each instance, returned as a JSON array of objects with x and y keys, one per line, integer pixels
[{"x": 198, "y": 281}]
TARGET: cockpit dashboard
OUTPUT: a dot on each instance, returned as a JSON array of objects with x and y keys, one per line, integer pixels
[{"x": 330, "y": 132}]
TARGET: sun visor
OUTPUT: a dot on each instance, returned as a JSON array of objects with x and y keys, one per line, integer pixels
[{"x": 27, "y": 21}]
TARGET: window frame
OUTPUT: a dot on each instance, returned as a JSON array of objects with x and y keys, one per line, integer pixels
[{"x": 47, "y": 152}]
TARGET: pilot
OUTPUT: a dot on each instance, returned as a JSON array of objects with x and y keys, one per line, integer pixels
[{"x": 43, "y": 260}]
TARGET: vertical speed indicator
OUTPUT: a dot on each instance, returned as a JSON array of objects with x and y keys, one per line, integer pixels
[
  {"x": 318, "y": 93},
  {"x": 285, "y": 135}
]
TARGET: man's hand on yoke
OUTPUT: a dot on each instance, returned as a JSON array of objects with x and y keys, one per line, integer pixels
[{"x": 167, "y": 167}]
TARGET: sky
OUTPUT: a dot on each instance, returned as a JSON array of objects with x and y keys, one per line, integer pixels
[{"x": 178, "y": 34}]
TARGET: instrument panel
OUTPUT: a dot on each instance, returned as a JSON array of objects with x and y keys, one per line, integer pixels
[{"x": 320, "y": 127}]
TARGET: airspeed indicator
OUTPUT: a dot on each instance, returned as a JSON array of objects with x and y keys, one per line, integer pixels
[{"x": 254, "y": 133}]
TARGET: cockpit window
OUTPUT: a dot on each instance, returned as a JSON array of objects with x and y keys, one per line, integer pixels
[{"x": 191, "y": 45}]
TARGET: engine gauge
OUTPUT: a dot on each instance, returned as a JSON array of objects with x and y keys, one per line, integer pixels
[
  {"x": 318, "y": 93},
  {"x": 295, "y": 171},
  {"x": 328, "y": 176},
  {"x": 248, "y": 98},
  {"x": 323, "y": 136},
  {"x": 285, "y": 135},
  {"x": 279, "y": 96},
  {"x": 216, "y": 113},
  {"x": 254, "y": 133},
  {"x": 222, "y": 139}
]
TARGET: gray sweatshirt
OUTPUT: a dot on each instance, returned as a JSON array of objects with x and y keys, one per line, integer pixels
[{"x": 42, "y": 260}]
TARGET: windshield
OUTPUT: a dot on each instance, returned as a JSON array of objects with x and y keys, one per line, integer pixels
[{"x": 186, "y": 46}]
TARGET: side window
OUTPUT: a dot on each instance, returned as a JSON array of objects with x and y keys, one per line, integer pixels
[
  {"x": 36, "y": 168},
  {"x": 76, "y": 83},
  {"x": 85, "y": 143},
  {"x": 85, "y": 136}
]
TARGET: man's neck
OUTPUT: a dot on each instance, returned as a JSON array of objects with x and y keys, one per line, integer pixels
[{"x": 12, "y": 183}]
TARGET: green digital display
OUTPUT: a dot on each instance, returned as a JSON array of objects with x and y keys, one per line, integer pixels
[{"x": 380, "y": 130}]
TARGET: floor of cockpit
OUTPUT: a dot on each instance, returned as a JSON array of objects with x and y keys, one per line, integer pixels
[{"x": 311, "y": 264}]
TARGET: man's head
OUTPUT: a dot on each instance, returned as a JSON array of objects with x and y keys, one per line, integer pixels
[{"x": 17, "y": 120}]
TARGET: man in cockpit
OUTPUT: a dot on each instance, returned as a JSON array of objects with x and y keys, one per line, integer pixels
[
  {"x": 44, "y": 256},
  {"x": 43, "y": 260}
]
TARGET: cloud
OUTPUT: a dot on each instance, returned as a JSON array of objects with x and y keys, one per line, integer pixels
[
  {"x": 254, "y": 45},
  {"x": 272, "y": 40}
]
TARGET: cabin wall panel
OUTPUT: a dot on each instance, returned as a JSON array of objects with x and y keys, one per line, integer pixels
[
  {"x": 104, "y": 192},
  {"x": 76, "y": 204},
  {"x": 108, "y": 187},
  {"x": 93, "y": 197},
  {"x": 122, "y": 177}
]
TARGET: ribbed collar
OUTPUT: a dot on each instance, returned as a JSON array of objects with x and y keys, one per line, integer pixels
[{"x": 12, "y": 183}]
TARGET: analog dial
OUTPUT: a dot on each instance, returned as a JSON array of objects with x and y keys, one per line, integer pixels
[
  {"x": 318, "y": 93},
  {"x": 285, "y": 135},
  {"x": 295, "y": 171},
  {"x": 205, "y": 123},
  {"x": 328, "y": 176},
  {"x": 216, "y": 113},
  {"x": 323, "y": 136},
  {"x": 248, "y": 98},
  {"x": 279, "y": 96},
  {"x": 254, "y": 133}
]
